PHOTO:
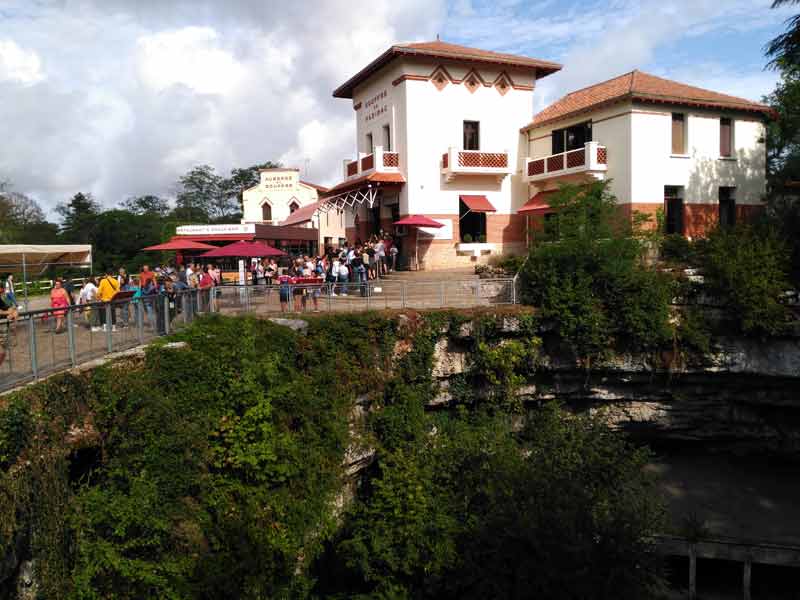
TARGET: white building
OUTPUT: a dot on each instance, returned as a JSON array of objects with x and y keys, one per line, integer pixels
[
  {"x": 278, "y": 194},
  {"x": 698, "y": 156},
  {"x": 438, "y": 134}
]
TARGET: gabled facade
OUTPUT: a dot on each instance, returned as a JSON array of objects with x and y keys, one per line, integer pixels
[{"x": 278, "y": 194}]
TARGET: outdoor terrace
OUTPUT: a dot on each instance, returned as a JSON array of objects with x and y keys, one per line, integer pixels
[
  {"x": 380, "y": 161},
  {"x": 474, "y": 162},
  {"x": 592, "y": 160}
]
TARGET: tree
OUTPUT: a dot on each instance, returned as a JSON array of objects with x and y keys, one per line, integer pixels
[
  {"x": 785, "y": 49},
  {"x": 241, "y": 179},
  {"x": 471, "y": 511},
  {"x": 78, "y": 218},
  {"x": 22, "y": 220},
  {"x": 201, "y": 196},
  {"x": 147, "y": 205}
]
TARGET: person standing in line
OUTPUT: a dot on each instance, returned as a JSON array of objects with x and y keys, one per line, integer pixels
[
  {"x": 59, "y": 299},
  {"x": 8, "y": 314},
  {"x": 88, "y": 295},
  {"x": 8, "y": 288},
  {"x": 108, "y": 288},
  {"x": 380, "y": 257},
  {"x": 393, "y": 252}
]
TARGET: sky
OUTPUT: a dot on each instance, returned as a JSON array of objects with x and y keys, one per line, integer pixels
[{"x": 120, "y": 97}]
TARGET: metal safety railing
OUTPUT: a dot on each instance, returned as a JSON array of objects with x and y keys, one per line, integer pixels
[
  {"x": 41, "y": 342},
  {"x": 365, "y": 295}
]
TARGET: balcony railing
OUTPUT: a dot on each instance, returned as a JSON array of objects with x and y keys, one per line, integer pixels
[
  {"x": 378, "y": 161},
  {"x": 591, "y": 159},
  {"x": 474, "y": 162}
]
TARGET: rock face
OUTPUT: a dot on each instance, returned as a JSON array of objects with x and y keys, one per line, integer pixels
[{"x": 745, "y": 397}]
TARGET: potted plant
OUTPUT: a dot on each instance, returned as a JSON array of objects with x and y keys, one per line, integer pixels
[{"x": 467, "y": 238}]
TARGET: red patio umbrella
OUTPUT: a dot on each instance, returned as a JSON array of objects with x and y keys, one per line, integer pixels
[
  {"x": 418, "y": 221},
  {"x": 179, "y": 245},
  {"x": 244, "y": 249}
]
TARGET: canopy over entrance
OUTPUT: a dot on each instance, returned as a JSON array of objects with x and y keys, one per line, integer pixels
[
  {"x": 418, "y": 221},
  {"x": 27, "y": 257}
]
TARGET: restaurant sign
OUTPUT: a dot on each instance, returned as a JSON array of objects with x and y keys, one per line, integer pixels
[{"x": 216, "y": 229}]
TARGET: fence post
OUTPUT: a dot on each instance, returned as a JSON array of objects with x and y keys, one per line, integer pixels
[
  {"x": 402, "y": 294},
  {"x": 441, "y": 294},
  {"x": 368, "y": 294},
  {"x": 139, "y": 308},
  {"x": 330, "y": 296},
  {"x": 514, "y": 289},
  {"x": 166, "y": 314},
  {"x": 32, "y": 342},
  {"x": 71, "y": 337},
  {"x": 109, "y": 324}
]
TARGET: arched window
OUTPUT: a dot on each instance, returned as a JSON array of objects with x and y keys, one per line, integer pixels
[
  {"x": 266, "y": 212},
  {"x": 293, "y": 206}
]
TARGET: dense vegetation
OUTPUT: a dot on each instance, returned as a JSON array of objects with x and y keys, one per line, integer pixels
[
  {"x": 608, "y": 284},
  {"x": 216, "y": 471}
]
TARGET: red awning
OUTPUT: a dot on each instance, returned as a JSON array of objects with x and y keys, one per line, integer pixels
[
  {"x": 538, "y": 204},
  {"x": 418, "y": 221},
  {"x": 177, "y": 245},
  {"x": 244, "y": 249},
  {"x": 478, "y": 204}
]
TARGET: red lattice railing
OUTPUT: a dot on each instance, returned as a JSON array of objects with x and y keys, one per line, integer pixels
[
  {"x": 536, "y": 167},
  {"x": 487, "y": 160},
  {"x": 555, "y": 163},
  {"x": 602, "y": 155},
  {"x": 368, "y": 162},
  {"x": 576, "y": 158},
  {"x": 352, "y": 168},
  {"x": 445, "y": 160},
  {"x": 391, "y": 159}
]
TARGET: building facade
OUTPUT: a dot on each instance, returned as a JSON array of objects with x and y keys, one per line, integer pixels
[
  {"x": 696, "y": 156},
  {"x": 438, "y": 134},
  {"x": 278, "y": 194}
]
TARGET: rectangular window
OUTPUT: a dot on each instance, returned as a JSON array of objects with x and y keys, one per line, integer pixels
[
  {"x": 673, "y": 199},
  {"x": 472, "y": 135},
  {"x": 725, "y": 137},
  {"x": 472, "y": 225},
  {"x": 678, "y": 133},
  {"x": 727, "y": 206},
  {"x": 387, "y": 138},
  {"x": 370, "y": 148},
  {"x": 571, "y": 138}
]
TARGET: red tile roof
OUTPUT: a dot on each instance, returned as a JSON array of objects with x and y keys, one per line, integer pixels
[
  {"x": 319, "y": 188},
  {"x": 388, "y": 178},
  {"x": 643, "y": 87},
  {"x": 302, "y": 214},
  {"x": 439, "y": 49}
]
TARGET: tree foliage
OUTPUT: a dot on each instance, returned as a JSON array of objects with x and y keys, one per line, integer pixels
[{"x": 592, "y": 281}]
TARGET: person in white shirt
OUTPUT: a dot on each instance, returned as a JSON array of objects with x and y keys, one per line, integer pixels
[
  {"x": 380, "y": 258},
  {"x": 88, "y": 295},
  {"x": 343, "y": 276}
]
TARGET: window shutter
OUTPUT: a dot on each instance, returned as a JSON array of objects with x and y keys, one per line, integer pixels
[
  {"x": 725, "y": 138},
  {"x": 678, "y": 130}
]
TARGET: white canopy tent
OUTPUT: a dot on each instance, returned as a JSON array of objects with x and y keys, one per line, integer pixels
[{"x": 32, "y": 258}]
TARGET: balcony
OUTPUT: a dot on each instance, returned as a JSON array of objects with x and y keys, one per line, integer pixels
[
  {"x": 474, "y": 162},
  {"x": 377, "y": 162},
  {"x": 591, "y": 160}
]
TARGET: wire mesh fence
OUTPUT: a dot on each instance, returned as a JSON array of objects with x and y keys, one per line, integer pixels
[{"x": 39, "y": 343}]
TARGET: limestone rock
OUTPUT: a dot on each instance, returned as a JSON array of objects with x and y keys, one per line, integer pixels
[
  {"x": 448, "y": 359},
  {"x": 294, "y": 324}
]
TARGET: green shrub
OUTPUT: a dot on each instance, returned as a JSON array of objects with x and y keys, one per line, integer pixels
[
  {"x": 15, "y": 428},
  {"x": 675, "y": 248},
  {"x": 482, "y": 238},
  {"x": 593, "y": 283},
  {"x": 746, "y": 268},
  {"x": 467, "y": 238}
]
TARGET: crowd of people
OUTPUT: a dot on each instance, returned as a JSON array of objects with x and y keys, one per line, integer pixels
[{"x": 109, "y": 301}]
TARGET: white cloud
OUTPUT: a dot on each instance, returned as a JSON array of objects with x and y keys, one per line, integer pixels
[
  {"x": 19, "y": 65},
  {"x": 189, "y": 56}
]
